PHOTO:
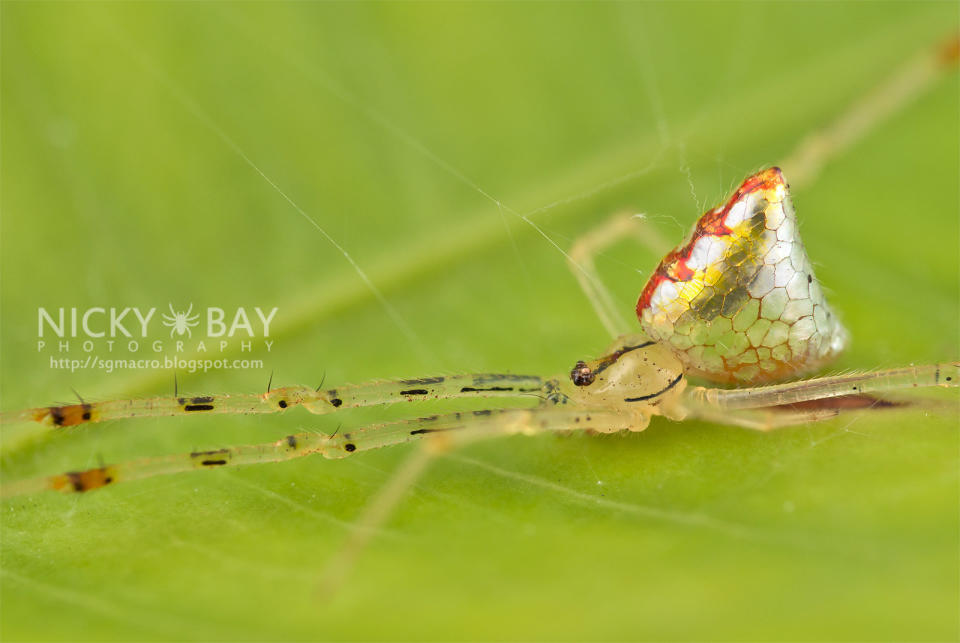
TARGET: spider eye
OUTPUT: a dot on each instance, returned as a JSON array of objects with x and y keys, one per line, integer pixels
[{"x": 582, "y": 375}]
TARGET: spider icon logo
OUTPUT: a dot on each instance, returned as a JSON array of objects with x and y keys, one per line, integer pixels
[{"x": 181, "y": 323}]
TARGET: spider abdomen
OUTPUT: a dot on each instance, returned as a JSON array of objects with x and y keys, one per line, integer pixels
[{"x": 739, "y": 301}]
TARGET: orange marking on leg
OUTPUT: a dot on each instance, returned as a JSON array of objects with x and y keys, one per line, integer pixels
[
  {"x": 83, "y": 480},
  {"x": 39, "y": 415},
  {"x": 950, "y": 52},
  {"x": 70, "y": 415}
]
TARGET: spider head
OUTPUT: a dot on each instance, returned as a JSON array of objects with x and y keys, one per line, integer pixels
[{"x": 640, "y": 372}]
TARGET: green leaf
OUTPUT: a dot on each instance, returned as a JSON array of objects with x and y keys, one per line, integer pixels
[{"x": 177, "y": 153}]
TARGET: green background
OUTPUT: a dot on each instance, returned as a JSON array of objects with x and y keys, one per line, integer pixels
[{"x": 387, "y": 123}]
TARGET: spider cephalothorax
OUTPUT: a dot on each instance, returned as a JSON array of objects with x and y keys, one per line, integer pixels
[
  {"x": 739, "y": 300},
  {"x": 634, "y": 372}
]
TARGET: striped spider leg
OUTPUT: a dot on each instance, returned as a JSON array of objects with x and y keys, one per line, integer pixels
[{"x": 737, "y": 304}]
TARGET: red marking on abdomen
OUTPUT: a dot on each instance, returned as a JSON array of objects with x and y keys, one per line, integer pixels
[
  {"x": 680, "y": 271},
  {"x": 674, "y": 265}
]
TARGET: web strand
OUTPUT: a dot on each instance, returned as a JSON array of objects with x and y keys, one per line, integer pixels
[{"x": 203, "y": 116}]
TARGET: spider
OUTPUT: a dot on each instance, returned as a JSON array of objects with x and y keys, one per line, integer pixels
[
  {"x": 181, "y": 323},
  {"x": 737, "y": 303}
]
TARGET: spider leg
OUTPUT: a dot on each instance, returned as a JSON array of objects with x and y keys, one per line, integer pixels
[
  {"x": 803, "y": 166},
  {"x": 903, "y": 86},
  {"x": 764, "y": 419},
  {"x": 595, "y": 241},
  {"x": 316, "y": 401},
  {"x": 381, "y": 507},
  {"x": 374, "y": 515},
  {"x": 448, "y": 430},
  {"x": 701, "y": 400}
]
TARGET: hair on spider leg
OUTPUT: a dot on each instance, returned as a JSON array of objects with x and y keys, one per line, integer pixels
[
  {"x": 641, "y": 375},
  {"x": 543, "y": 398},
  {"x": 586, "y": 373},
  {"x": 63, "y": 414},
  {"x": 323, "y": 378},
  {"x": 78, "y": 395},
  {"x": 852, "y": 402},
  {"x": 270, "y": 381},
  {"x": 316, "y": 432}
]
